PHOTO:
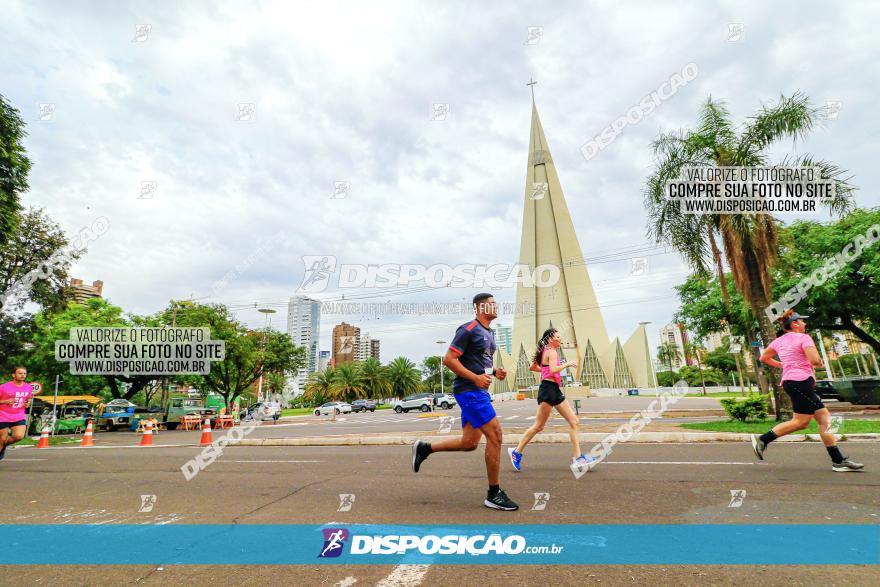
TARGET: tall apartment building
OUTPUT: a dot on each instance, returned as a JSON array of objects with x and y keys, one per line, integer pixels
[
  {"x": 346, "y": 346},
  {"x": 504, "y": 338},
  {"x": 323, "y": 360},
  {"x": 82, "y": 292},
  {"x": 675, "y": 334},
  {"x": 374, "y": 349},
  {"x": 304, "y": 327}
]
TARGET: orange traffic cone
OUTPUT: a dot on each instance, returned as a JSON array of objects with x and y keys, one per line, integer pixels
[
  {"x": 87, "y": 439},
  {"x": 206, "y": 433},
  {"x": 147, "y": 438},
  {"x": 44, "y": 438}
]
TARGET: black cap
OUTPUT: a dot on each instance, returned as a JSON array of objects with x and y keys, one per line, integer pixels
[{"x": 793, "y": 318}]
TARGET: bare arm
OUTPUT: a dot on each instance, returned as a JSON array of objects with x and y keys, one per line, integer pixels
[
  {"x": 767, "y": 358},
  {"x": 813, "y": 356},
  {"x": 552, "y": 360},
  {"x": 451, "y": 360}
]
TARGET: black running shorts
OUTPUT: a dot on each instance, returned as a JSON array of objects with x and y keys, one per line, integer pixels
[
  {"x": 4, "y": 425},
  {"x": 804, "y": 399},
  {"x": 549, "y": 392}
]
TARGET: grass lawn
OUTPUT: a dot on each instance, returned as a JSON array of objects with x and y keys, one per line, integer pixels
[
  {"x": 310, "y": 411},
  {"x": 720, "y": 394},
  {"x": 53, "y": 440},
  {"x": 846, "y": 427}
]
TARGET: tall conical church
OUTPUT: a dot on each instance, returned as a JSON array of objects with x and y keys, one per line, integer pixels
[{"x": 570, "y": 304}]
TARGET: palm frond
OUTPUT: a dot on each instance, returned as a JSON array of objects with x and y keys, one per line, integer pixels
[
  {"x": 844, "y": 191},
  {"x": 793, "y": 116}
]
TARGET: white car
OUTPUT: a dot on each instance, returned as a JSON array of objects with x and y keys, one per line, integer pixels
[
  {"x": 264, "y": 411},
  {"x": 417, "y": 401},
  {"x": 331, "y": 407}
]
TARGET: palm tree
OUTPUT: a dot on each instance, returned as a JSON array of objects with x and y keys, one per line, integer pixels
[
  {"x": 348, "y": 385},
  {"x": 403, "y": 376},
  {"x": 668, "y": 352},
  {"x": 375, "y": 379},
  {"x": 319, "y": 386},
  {"x": 694, "y": 348},
  {"x": 275, "y": 383},
  {"x": 747, "y": 242}
]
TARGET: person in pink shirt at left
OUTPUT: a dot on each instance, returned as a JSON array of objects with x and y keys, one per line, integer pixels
[{"x": 15, "y": 397}]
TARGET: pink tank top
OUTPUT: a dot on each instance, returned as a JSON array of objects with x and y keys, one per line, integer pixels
[{"x": 545, "y": 370}]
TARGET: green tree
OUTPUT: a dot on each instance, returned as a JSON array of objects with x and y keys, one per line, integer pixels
[
  {"x": 275, "y": 382},
  {"x": 668, "y": 353},
  {"x": 404, "y": 377},
  {"x": 36, "y": 240},
  {"x": 319, "y": 386},
  {"x": 375, "y": 379},
  {"x": 50, "y": 327},
  {"x": 849, "y": 300},
  {"x": 431, "y": 373},
  {"x": 348, "y": 383},
  {"x": 747, "y": 242},
  {"x": 692, "y": 349},
  {"x": 247, "y": 351},
  {"x": 14, "y": 169}
]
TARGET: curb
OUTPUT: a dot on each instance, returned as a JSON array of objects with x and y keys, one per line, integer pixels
[{"x": 553, "y": 438}]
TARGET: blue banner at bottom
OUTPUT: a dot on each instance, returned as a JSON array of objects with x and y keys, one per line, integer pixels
[{"x": 358, "y": 544}]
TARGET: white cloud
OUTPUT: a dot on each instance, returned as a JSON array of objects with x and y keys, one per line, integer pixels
[{"x": 343, "y": 92}]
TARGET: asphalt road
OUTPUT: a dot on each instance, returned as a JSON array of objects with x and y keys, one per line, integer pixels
[{"x": 639, "y": 483}]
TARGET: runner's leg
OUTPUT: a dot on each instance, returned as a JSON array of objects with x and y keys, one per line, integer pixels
[
  {"x": 468, "y": 441},
  {"x": 492, "y": 431},
  {"x": 544, "y": 411},
  {"x": 566, "y": 412}
]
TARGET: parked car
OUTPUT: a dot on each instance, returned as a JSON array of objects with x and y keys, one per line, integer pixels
[
  {"x": 363, "y": 405},
  {"x": 417, "y": 401},
  {"x": 825, "y": 390},
  {"x": 444, "y": 400},
  {"x": 263, "y": 411},
  {"x": 331, "y": 407}
]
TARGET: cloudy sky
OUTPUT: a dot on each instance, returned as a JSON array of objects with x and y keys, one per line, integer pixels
[{"x": 345, "y": 92}]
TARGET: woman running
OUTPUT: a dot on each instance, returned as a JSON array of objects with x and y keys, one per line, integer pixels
[
  {"x": 547, "y": 362},
  {"x": 797, "y": 357}
]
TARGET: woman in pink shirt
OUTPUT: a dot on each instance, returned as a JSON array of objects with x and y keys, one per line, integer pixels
[
  {"x": 797, "y": 356},
  {"x": 547, "y": 362},
  {"x": 15, "y": 396}
]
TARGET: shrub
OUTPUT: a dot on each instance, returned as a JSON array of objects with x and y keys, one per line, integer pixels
[{"x": 754, "y": 407}]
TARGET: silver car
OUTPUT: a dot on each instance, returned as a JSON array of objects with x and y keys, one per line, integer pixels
[
  {"x": 333, "y": 407},
  {"x": 417, "y": 401}
]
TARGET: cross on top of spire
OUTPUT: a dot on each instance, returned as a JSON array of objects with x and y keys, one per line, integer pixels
[{"x": 531, "y": 85}]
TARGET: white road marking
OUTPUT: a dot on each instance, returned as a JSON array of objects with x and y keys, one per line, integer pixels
[
  {"x": 512, "y": 417},
  {"x": 270, "y": 461},
  {"x": 347, "y": 582},
  {"x": 678, "y": 463},
  {"x": 27, "y": 459},
  {"x": 405, "y": 576}
]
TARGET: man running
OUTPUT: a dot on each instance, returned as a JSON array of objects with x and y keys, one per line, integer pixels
[
  {"x": 470, "y": 357},
  {"x": 797, "y": 357},
  {"x": 15, "y": 396}
]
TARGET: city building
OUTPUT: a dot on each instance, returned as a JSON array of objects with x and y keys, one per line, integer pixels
[
  {"x": 323, "y": 360},
  {"x": 346, "y": 345},
  {"x": 504, "y": 338},
  {"x": 569, "y": 303},
  {"x": 367, "y": 348},
  {"x": 714, "y": 340},
  {"x": 304, "y": 327},
  {"x": 675, "y": 334},
  {"x": 374, "y": 349},
  {"x": 82, "y": 292}
]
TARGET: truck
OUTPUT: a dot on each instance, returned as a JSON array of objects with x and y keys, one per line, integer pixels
[{"x": 184, "y": 405}]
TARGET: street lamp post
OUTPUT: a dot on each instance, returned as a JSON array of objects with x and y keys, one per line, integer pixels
[
  {"x": 441, "y": 367},
  {"x": 265, "y": 311}
]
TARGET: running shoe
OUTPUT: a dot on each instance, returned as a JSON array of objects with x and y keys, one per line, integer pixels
[
  {"x": 500, "y": 501},
  {"x": 847, "y": 465},
  {"x": 515, "y": 458},
  {"x": 583, "y": 460},
  {"x": 419, "y": 454},
  {"x": 758, "y": 446}
]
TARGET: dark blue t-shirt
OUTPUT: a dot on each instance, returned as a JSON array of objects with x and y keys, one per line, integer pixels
[{"x": 475, "y": 346}]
